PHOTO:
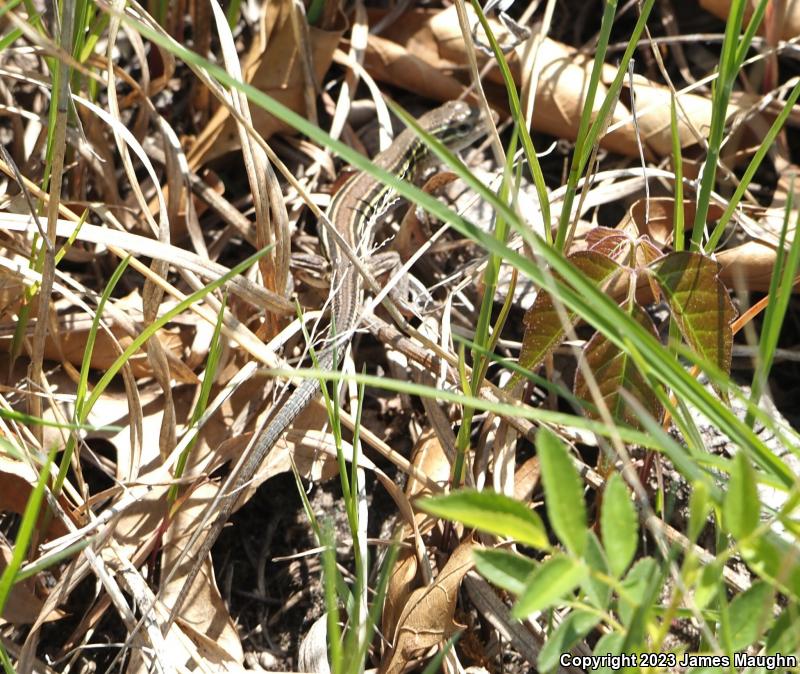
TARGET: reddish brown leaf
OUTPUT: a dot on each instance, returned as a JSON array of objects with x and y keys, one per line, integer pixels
[
  {"x": 646, "y": 252},
  {"x": 614, "y": 370},
  {"x": 614, "y": 243},
  {"x": 543, "y": 329},
  {"x": 699, "y": 303}
]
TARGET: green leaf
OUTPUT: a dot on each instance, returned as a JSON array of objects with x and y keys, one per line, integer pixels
[
  {"x": 490, "y": 512},
  {"x": 506, "y": 569},
  {"x": 543, "y": 328},
  {"x": 634, "y": 588},
  {"x": 6, "y": 447},
  {"x": 774, "y": 560},
  {"x": 597, "y": 591},
  {"x": 563, "y": 491},
  {"x": 707, "y": 585},
  {"x": 615, "y": 371},
  {"x": 784, "y": 636},
  {"x": 619, "y": 525},
  {"x": 551, "y": 582},
  {"x": 699, "y": 304},
  {"x": 699, "y": 509},
  {"x": 750, "y": 615},
  {"x": 741, "y": 507},
  {"x": 573, "y": 628},
  {"x": 609, "y": 644},
  {"x": 644, "y": 589}
]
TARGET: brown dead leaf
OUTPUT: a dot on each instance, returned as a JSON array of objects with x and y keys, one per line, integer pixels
[
  {"x": 114, "y": 408},
  {"x": 312, "y": 655},
  {"x": 404, "y": 580},
  {"x": 428, "y": 617},
  {"x": 414, "y": 33},
  {"x": 747, "y": 266},
  {"x": 526, "y": 479},
  {"x": 135, "y": 533},
  {"x": 429, "y": 458},
  {"x": 653, "y": 102},
  {"x": 70, "y": 346},
  {"x": 17, "y": 480},
  {"x": 70, "y": 341},
  {"x": 204, "y": 616},
  {"x": 766, "y": 224},
  {"x": 394, "y": 64},
  {"x": 135, "y": 529},
  {"x": 23, "y": 605},
  {"x": 272, "y": 66},
  {"x": 789, "y": 23}
]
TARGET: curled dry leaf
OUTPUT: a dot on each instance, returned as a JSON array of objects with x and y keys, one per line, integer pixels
[
  {"x": 428, "y": 617},
  {"x": 114, "y": 408},
  {"x": 312, "y": 656},
  {"x": 526, "y": 479},
  {"x": 70, "y": 346},
  {"x": 748, "y": 266},
  {"x": 135, "y": 534},
  {"x": 431, "y": 460},
  {"x": 403, "y": 581},
  {"x": 204, "y": 616},
  {"x": 390, "y": 62},
  {"x": 426, "y": 44}
]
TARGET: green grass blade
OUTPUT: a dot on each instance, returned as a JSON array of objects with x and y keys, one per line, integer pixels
[
  {"x": 212, "y": 363},
  {"x": 780, "y": 292}
]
